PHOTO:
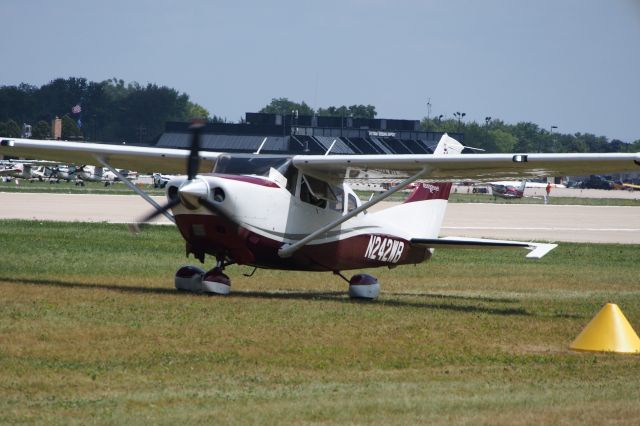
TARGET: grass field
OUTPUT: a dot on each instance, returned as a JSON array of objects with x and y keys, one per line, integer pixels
[{"x": 91, "y": 331}]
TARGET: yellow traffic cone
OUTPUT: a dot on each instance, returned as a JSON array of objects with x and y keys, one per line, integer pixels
[{"x": 608, "y": 331}]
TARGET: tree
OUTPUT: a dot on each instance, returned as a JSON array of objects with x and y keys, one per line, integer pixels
[
  {"x": 355, "y": 111},
  {"x": 42, "y": 130},
  {"x": 10, "y": 129},
  {"x": 196, "y": 111},
  {"x": 70, "y": 129},
  {"x": 285, "y": 106},
  {"x": 502, "y": 141}
]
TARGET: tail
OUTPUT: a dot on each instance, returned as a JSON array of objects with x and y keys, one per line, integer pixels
[
  {"x": 523, "y": 185},
  {"x": 430, "y": 191},
  {"x": 448, "y": 146},
  {"x": 422, "y": 213}
]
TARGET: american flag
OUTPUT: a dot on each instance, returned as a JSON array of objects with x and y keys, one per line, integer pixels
[{"x": 76, "y": 109}]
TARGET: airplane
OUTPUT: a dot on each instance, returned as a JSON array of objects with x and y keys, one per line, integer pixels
[
  {"x": 508, "y": 190},
  {"x": 630, "y": 186},
  {"x": 296, "y": 212},
  {"x": 62, "y": 172},
  {"x": 15, "y": 170},
  {"x": 89, "y": 173},
  {"x": 25, "y": 169}
]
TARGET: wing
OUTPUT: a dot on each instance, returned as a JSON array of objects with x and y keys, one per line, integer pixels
[
  {"x": 144, "y": 159},
  {"x": 483, "y": 167}
]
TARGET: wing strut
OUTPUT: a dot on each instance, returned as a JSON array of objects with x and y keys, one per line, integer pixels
[
  {"x": 288, "y": 249},
  {"x": 137, "y": 190}
]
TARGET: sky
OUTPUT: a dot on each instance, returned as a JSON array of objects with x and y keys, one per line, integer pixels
[{"x": 574, "y": 64}]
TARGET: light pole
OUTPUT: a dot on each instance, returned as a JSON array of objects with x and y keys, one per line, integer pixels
[
  {"x": 459, "y": 116},
  {"x": 551, "y": 132}
]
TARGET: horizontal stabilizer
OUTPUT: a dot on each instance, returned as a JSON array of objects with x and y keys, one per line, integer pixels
[{"x": 537, "y": 249}]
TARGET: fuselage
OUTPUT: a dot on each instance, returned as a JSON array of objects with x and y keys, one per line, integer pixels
[{"x": 266, "y": 212}]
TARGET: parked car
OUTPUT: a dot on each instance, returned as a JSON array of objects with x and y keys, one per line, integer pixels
[{"x": 596, "y": 182}]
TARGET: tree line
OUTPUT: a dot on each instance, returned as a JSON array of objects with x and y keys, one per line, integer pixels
[
  {"x": 109, "y": 110},
  {"x": 115, "y": 111},
  {"x": 494, "y": 135},
  {"x": 285, "y": 106}
]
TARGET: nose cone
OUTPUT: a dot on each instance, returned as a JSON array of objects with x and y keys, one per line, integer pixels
[{"x": 191, "y": 191}]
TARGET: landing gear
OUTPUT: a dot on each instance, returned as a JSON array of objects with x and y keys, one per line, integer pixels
[
  {"x": 195, "y": 280},
  {"x": 362, "y": 286},
  {"x": 215, "y": 281}
]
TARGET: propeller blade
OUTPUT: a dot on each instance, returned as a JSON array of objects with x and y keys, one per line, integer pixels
[
  {"x": 135, "y": 228},
  {"x": 193, "y": 162}
]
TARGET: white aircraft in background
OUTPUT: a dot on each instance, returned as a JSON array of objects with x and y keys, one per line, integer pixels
[
  {"x": 90, "y": 173},
  {"x": 296, "y": 212},
  {"x": 24, "y": 169}
]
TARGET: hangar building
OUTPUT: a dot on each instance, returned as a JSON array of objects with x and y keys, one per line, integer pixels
[{"x": 290, "y": 134}]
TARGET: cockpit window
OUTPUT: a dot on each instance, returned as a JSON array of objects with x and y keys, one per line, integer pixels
[{"x": 251, "y": 165}]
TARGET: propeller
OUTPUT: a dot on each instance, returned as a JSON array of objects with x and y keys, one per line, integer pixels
[{"x": 191, "y": 193}]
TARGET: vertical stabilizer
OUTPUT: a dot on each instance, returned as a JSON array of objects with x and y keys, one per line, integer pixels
[
  {"x": 430, "y": 191},
  {"x": 448, "y": 146},
  {"x": 523, "y": 185}
]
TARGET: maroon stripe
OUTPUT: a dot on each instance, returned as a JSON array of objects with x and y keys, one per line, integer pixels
[{"x": 248, "y": 179}]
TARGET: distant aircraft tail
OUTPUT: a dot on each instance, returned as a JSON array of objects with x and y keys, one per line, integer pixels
[
  {"x": 448, "y": 146},
  {"x": 523, "y": 185}
]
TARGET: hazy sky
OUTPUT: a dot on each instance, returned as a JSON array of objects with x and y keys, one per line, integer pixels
[{"x": 570, "y": 63}]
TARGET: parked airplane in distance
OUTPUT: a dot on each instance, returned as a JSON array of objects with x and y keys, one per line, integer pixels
[{"x": 508, "y": 190}]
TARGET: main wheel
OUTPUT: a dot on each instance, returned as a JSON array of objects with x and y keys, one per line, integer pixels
[
  {"x": 364, "y": 286},
  {"x": 189, "y": 278}
]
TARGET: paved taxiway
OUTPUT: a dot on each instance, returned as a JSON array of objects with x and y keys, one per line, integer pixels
[{"x": 512, "y": 221}]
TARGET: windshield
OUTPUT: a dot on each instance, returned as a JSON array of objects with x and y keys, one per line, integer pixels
[{"x": 251, "y": 165}]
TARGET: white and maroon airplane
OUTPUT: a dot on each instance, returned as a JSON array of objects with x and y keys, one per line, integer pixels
[
  {"x": 508, "y": 190},
  {"x": 298, "y": 213}
]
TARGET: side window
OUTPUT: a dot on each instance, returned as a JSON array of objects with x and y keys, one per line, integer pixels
[
  {"x": 338, "y": 203},
  {"x": 307, "y": 196},
  {"x": 292, "y": 180},
  {"x": 351, "y": 202}
]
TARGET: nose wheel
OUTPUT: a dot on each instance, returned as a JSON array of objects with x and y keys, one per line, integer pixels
[
  {"x": 216, "y": 282},
  {"x": 195, "y": 280}
]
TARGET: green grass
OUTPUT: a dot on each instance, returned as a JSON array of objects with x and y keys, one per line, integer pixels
[{"x": 91, "y": 331}]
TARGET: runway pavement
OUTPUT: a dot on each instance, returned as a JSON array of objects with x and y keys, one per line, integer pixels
[{"x": 510, "y": 221}]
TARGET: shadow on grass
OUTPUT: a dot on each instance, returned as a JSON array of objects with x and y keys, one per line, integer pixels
[
  {"x": 89, "y": 286},
  {"x": 336, "y": 296}
]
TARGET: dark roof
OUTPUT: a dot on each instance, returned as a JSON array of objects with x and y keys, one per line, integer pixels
[{"x": 278, "y": 134}]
